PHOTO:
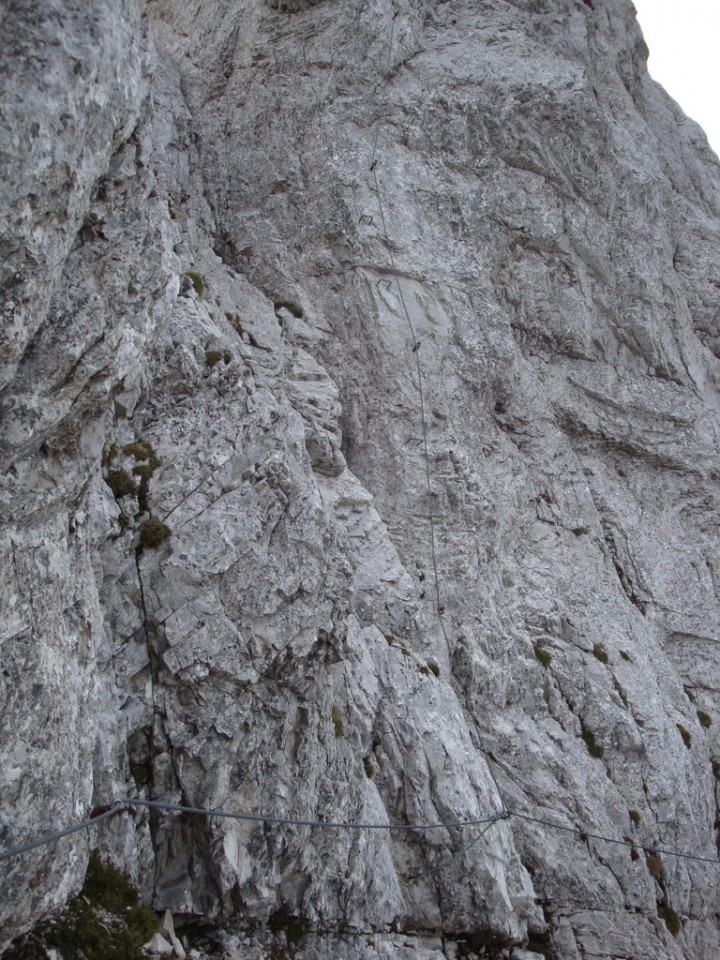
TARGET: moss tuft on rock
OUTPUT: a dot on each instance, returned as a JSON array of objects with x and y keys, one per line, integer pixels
[
  {"x": 593, "y": 747},
  {"x": 120, "y": 482},
  {"x": 600, "y": 653},
  {"x": 153, "y": 533},
  {"x": 212, "y": 357},
  {"x": 141, "y": 450},
  {"x": 542, "y": 655},
  {"x": 671, "y": 920},
  {"x": 197, "y": 280},
  {"x": 685, "y": 734},
  {"x": 704, "y": 718}
]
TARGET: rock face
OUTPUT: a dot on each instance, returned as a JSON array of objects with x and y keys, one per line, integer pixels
[{"x": 359, "y": 464}]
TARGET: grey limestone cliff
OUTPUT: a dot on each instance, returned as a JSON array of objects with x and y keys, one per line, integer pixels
[{"x": 359, "y": 463}]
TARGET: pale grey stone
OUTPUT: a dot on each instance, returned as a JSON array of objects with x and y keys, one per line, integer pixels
[
  {"x": 196, "y": 256},
  {"x": 158, "y": 946}
]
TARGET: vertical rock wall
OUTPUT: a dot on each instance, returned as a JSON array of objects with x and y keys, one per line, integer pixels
[
  {"x": 73, "y": 77},
  {"x": 232, "y": 273}
]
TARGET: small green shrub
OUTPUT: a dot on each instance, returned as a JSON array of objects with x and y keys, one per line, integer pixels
[
  {"x": 635, "y": 817},
  {"x": 197, "y": 280},
  {"x": 106, "y": 887},
  {"x": 140, "y": 450},
  {"x": 671, "y": 920},
  {"x": 144, "y": 471},
  {"x": 213, "y": 357},
  {"x": 105, "y": 922},
  {"x": 655, "y": 866},
  {"x": 685, "y": 734},
  {"x": 153, "y": 533},
  {"x": 593, "y": 747},
  {"x": 600, "y": 653},
  {"x": 337, "y": 721},
  {"x": 120, "y": 482},
  {"x": 626, "y": 656},
  {"x": 704, "y": 718},
  {"x": 542, "y": 655},
  {"x": 109, "y": 455},
  {"x": 581, "y": 531}
]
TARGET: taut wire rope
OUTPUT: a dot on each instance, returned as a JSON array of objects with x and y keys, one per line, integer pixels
[{"x": 125, "y": 805}]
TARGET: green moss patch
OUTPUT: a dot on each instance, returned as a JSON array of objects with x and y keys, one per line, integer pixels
[
  {"x": 542, "y": 655},
  {"x": 593, "y": 747},
  {"x": 671, "y": 920},
  {"x": 120, "y": 482},
  {"x": 685, "y": 734},
  {"x": 600, "y": 653},
  {"x": 212, "y": 357},
  {"x": 140, "y": 450},
  {"x": 197, "y": 280},
  {"x": 704, "y": 718},
  {"x": 153, "y": 533}
]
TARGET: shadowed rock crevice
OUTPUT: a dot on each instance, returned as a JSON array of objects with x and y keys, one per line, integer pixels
[{"x": 292, "y": 6}]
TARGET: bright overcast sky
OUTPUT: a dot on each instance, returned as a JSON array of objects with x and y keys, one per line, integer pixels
[{"x": 684, "y": 41}]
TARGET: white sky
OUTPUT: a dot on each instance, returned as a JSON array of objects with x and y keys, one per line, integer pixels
[{"x": 684, "y": 41}]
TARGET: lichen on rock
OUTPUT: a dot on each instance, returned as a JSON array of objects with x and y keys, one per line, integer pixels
[{"x": 402, "y": 319}]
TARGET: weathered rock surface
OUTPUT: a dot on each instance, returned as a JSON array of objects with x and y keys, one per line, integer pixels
[{"x": 403, "y": 318}]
